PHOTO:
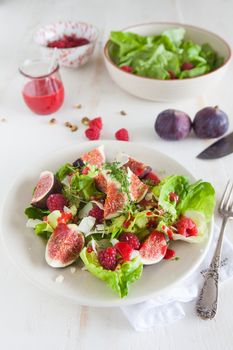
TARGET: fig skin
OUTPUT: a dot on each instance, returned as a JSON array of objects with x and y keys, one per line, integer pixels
[
  {"x": 78, "y": 163},
  {"x": 138, "y": 168},
  {"x": 173, "y": 124},
  {"x": 210, "y": 122},
  {"x": 42, "y": 202}
]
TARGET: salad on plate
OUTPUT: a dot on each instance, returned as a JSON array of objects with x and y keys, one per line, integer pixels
[{"x": 116, "y": 216}]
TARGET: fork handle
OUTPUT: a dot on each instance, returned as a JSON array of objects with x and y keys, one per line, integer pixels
[{"x": 206, "y": 306}]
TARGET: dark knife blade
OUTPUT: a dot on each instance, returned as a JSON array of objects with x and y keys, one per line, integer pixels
[{"x": 218, "y": 149}]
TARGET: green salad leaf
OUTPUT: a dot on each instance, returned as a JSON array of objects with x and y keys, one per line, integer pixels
[
  {"x": 119, "y": 279},
  {"x": 156, "y": 56},
  {"x": 65, "y": 170},
  {"x": 200, "y": 197},
  {"x": 127, "y": 42},
  {"x": 44, "y": 230},
  {"x": 36, "y": 213},
  {"x": 84, "y": 185},
  {"x": 116, "y": 226},
  {"x": 173, "y": 183},
  {"x": 81, "y": 187},
  {"x": 176, "y": 35}
]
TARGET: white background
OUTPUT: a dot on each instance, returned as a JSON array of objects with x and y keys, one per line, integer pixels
[{"x": 29, "y": 318}]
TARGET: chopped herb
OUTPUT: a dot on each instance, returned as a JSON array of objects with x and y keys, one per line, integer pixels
[{"x": 118, "y": 174}]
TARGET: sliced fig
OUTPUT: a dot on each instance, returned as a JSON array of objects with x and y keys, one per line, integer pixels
[
  {"x": 94, "y": 157},
  {"x": 101, "y": 181},
  {"x": 138, "y": 168},
  {"x": 137, "y": 189},
  {"x": 152, "y": 177},
  {"x": 47, "y": 184},
  {"x": 64, "y": 245},
  {"x": 154, "y": 248},
  {"x": 115, "y": 200}
]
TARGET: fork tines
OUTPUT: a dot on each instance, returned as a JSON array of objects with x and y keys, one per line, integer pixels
[{"x": 226, "y": 204}]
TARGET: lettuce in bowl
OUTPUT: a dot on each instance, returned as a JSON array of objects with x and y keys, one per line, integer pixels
[{"x": 166, "y": 56}]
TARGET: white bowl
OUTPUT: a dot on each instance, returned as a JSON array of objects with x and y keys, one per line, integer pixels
[
  {"x": 171, "y": 90},
  {"x": 27, "y": 250},
  {"x": 70, "y": 57}
]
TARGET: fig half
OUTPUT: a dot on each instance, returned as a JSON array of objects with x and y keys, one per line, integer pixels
[
  {"x": 137, "y": 189},
  {"x": 153, "y": 249},
  {"x": 64, "y": 245},
  {"x": 46, "y": 185}
]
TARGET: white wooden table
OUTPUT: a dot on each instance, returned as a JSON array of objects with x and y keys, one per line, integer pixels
[{"x": 29, "y": 318}]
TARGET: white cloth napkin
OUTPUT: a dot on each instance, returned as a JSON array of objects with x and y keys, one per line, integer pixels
[{"x": 174, "y": 304}]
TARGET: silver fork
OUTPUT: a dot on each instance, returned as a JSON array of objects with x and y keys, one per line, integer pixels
[{"x": 206, "y": 306}]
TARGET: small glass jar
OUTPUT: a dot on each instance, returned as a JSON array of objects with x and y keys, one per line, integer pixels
[{"x": 43, "y": 91}]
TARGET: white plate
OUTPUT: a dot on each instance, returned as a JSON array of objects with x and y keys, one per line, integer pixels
[{"x": 27, "y": 250}]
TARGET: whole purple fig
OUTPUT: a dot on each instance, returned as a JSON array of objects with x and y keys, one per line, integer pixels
[
  {"x": 172, "y": 124},
  {"x": 210, "y": 122}
]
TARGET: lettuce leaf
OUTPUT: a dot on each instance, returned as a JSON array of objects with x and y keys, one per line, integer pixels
[
  {"x": 173, "y": 183},
  {"x": 118, "y": 280},
  {"x": 176, "y": 35},
  {"x": 194, "y": 72},
  {"x": 116, "y": 226},
  {"x": 200, "y": 197},
  {"x": 44, "y": 230},
  {"x": 127, "y": 42},
  {"x": 83, "y": 185}
]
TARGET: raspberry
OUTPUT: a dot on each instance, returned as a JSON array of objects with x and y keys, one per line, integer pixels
[
  {"x": 125, "y": 250},
  {"x": 89, "y": 249},
  {"x": 173, "y": 197},
  {"x": 122, "y": 135},
  {"x": 97, "y": 213},
  {"x": 171, "y": 74},
  {"x": 152, "y": 177},
  {"x": 107, "y": 258},
  {"x": 130, "y": 238},
  {"x": 186, "y": 227},
  {"x": 56, "y": 201},
  {"x": 96, "y": 122},
  {"x": 187, "y": 66},
  {"x": 127, "y": 69},
  {"x": 92, "y": 133},
  {"x": 85, "y": 170},
  {"x": 170, "y": 253}
]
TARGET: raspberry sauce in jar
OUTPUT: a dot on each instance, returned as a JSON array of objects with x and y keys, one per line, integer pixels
[{"x": 43, "y": 91}]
